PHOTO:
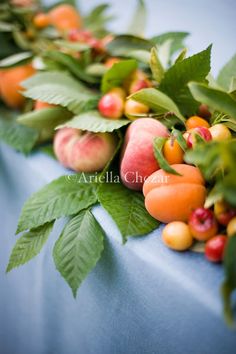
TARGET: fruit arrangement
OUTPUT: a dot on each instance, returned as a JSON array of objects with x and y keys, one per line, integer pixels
[{"x": 147, "y": 131}]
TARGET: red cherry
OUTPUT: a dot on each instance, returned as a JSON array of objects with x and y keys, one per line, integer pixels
[
  {"x": 202, "y": 131},
  {"x": 111, "y": 105},
  {"x": 203, "y": 224},
  {"x": 214, "y": 250}
]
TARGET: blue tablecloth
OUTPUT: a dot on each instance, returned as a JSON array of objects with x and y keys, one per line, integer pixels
[{"x": 141, "y": 298}]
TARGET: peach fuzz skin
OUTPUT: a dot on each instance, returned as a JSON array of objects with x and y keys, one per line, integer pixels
[
  {"x": 84, "y": 151},
  {"x": 137, "y": 156},
  {"x": 170, "y": 197}
]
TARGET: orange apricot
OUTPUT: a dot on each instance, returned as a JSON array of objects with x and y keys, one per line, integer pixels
[
  {"x": 171, "y": 197},
  {"x": 195, "y": 121},
  {"x": 65, "y": 17},
  {"x": 10, "y": 84},
  {"x": 172, "y": 151},
  {"x": 41, "y": 20}
]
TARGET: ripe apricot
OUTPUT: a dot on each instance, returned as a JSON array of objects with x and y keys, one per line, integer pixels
[
  {"x": 65, "y": 17},
  {"x": 10, "y": 84},
  {"x": 41, "y": 20},
  {"x": 195, "y": 121},
  {"x": 172, "y": 151},
  {"x": 171, "y": 197}
]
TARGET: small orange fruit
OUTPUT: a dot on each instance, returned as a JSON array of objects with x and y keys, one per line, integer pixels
[
  {"x": 10, "y": 87},
  {"x": 195, "y": 121},
  {"x": 172, "y": 151}
]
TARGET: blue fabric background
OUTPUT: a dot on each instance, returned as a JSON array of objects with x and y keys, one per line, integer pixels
[{"x": 141, "y": 298}]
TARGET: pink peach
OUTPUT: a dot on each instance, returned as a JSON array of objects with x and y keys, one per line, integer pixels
[{"x": 137, "y": 158}]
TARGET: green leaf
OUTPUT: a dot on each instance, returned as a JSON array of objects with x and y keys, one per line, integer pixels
[
  {"x": 19, "y": 137},
  {"x": 157, "y": 101},
  {"x": 174, "y": 84},
  {"x": 216, "y": 99},
  {"x": 76, "y": 46},
  {"x": 78, "y": 249},
  {"x": 157, "y": 69},
  {"x": 61, "y": 89},
  {"x": 142, "y": 56},
  {"x": 64, "y": 196},
  {"x": 124, "y": 44},
  {"x": 94, "y": 122},
  {"x": 96, "y": 69},
  {"x": 226, "y": 73},
  {"x": 181, "y": 56},
  {"x": 117, "y": 74},
  {"x": 44, "y": 118},
  {"x": 138, "y": 23},
  {"x": 127, "y": 209},
  {"x": 7, "y": 27},
  {"x": 15, "y": 60},
  {"x": 97, "y": 19},
  {"x": 176, "y": 38},
  {"x": 158, "y": 144},
  {"x": 72, "y": 64},
  {"x": 229, "y": 284},
  {"x": 180, "y": 139},
  {"x": 29, "y": 245}
]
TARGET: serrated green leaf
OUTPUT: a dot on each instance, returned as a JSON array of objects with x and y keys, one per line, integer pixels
[
  {"x": 15, "y": 60},
  {"x": 127, "y": 209},
  {"x": 64, "y": 196},
  {"x": 229, "y": 284},
  {"x": 181, "y": 55},
  {"x": 70, "y": 63},
  {"x": 138, "y": 22},
  {"x": 19, "y": 137},
  {"x": 94, "y": 122},
  {"x": 157, "y": 101},
  {"x": 61, "y": 89},
  {"x": 29, "y": 245},
  {"x": 226, "y": 73},
  {"x": 44, "y": 118},
  {"x": 117, "y": 74},
  {"x": 78, "y": 249},
  {"x": 123, "y": 44},
  {"x": 176, "y": 38},
  {"x": 216, "y": 99},
  {"x": 158, "y": 144},
  {"x": 157, "y": 69},
  {"x": 174, "y": 84}
]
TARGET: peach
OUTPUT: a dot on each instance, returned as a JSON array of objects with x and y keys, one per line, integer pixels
[
  {"x": 137, "y": 156},
  {"x": 171, "y": 197},
  {"x": 84, "y": 151}
]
